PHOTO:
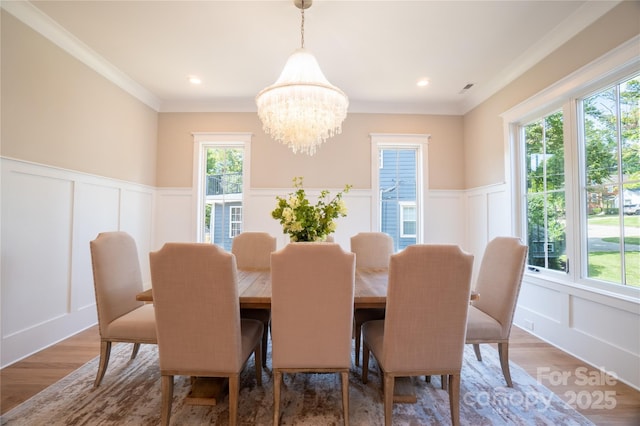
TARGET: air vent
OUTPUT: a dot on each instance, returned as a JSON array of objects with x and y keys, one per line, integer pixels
[{"x": 465, "y": 88}]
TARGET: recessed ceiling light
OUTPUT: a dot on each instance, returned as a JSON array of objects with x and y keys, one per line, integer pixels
[
  {"x": 423, "y": 82},
  {"x": 194, "y": 79}
]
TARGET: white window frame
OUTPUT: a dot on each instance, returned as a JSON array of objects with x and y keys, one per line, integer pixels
[
  {"x": 419, "y": 142},
  {"x": 617, "y": 64},
  {"x": 403, "y": 205},
  {"x": 202, "y": 141},
  {"x": 232, "y": 213}
]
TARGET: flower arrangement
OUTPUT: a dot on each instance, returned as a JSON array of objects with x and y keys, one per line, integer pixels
[{"x": 304, "y": 221}]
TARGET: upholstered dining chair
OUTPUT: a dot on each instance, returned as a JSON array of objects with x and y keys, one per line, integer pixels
[
  {"x": 253, "y": 251},
  {"x": 426, "y": 316},
  {"x": 372, "y": 250},
  {"x": 200, "y": 332},
  {"x": 117, "y": 279},
  {"x": 311, "y": 314},
  {"x": 498, "y": 285}
]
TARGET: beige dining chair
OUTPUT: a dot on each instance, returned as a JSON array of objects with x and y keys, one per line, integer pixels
[
  {"x": 372, "y": 250},
  {"x": 426, "y": 316},
  {"x": 253, "y": 251},
  {"x": 200, "y": 332},
  {"x": 498, "y": 285},
  {"x": 117, "y": 279},
  {"x": 311, "y": 314}
]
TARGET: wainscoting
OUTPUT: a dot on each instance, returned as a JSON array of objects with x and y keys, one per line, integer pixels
[{"x": 50, "y": 215}]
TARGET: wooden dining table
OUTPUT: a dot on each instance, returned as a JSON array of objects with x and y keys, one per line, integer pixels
[{"x": 254, "y": 290}]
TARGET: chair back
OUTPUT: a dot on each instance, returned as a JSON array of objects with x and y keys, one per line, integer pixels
[
  {"x": 195, "y": 294},
  {"x": 116, "y": 276},
  {"x": 253, "y": 250},
  {"x": 372, "y": 249},
  {"x": 312, "y": 306},
  {"x": 500, "y": 278},
  {"x": 426, "y": 312}
]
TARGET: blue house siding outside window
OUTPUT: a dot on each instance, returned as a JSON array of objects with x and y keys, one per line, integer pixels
[
  {"x": 398, "y": 191},
  {"x": 225, "y": 223}
]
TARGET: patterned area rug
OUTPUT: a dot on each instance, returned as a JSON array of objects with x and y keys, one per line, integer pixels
[{"x": 130, "y": 395}]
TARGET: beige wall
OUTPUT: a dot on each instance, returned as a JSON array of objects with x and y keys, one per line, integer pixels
[
  {"x": 57, "y": 111},
  {"x": 343, "y": 159},
  {"x": 484, "y": 150}
]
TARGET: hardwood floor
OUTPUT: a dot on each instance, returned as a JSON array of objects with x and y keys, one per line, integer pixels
[{"x": 583, "y": 385}]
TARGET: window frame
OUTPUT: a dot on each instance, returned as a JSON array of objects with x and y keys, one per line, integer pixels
[
  {"x": 419, "y": 142},
  {"x": 618, "y": 64},
  {"x": 232, "y": 213},
  {"x": 403, "y": 205},
  {"x": 203, "y": 141}
]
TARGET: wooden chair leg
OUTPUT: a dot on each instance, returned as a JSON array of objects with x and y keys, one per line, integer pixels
[
  {"x": 454, "y": 398},
  {"x": 365, "y": 364},
  {"x": 257, "y": 355},
  {"x": 136, "y": 349},
  {"x": 234, "y": 390},
  {"x": 389, "y": 382},
  {"x": 503, "y": 351},
  {"x": 167, "y": 398},
  {"x": 358, "y": 337},
  {"x": 265, "y": 342},
  {"x": 105, "y": 353},
  {"x": 345, "y": 396},
  {"x": 476, "y": 349},
  {"x": 277, "y": 380},
  {"x": 443, "y": 382}
]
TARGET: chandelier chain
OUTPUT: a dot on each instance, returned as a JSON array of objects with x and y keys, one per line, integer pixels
[{"x": 302, "y": 25}]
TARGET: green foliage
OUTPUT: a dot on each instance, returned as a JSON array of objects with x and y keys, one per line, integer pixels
[
  {"x": 304, "y": 221},
  {"x": 224, "y": 160}
]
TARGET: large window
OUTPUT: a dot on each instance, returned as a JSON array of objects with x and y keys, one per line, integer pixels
[
  {"x": 397, "y": 165},
  {"x": 221, "y": 172},
  {"x": 610, "y": 146},
  {"x": 577, "y": 157}
]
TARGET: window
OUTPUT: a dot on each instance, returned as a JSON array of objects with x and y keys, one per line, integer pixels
[
  {"x": 610, "y": 148},
  {"x": 577, "y": 174},
  {"x": 544, "y": 197},
  {"x": 408, "y": 219},
  {"x": 221, "y": 167},
  {"x": 399, "y": 188},
  {"x": 235, "y": 224}
]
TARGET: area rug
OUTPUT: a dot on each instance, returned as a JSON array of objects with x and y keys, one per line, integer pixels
[{"x": 130, "y": 395}]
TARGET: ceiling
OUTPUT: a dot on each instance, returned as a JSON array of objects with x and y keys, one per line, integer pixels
[{"x": 375, "y": 51}]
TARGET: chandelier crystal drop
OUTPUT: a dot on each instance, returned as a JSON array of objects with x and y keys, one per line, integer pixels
[{"x": 302, "y": 109}]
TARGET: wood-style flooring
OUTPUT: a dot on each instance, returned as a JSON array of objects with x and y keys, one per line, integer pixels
[{"x": 591, "y": 394}]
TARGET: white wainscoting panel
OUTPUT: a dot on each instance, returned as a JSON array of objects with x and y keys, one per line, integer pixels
[
  {"x": 49, "y": 215},
  {"x": 446, "y": 218},
  {"x": 174, "y": 216}
]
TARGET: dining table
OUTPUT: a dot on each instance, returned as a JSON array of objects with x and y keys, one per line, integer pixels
[{"x": 254, "y": 291}]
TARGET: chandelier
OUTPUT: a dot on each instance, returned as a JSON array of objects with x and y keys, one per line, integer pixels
[{"x": 302, "y": 109}]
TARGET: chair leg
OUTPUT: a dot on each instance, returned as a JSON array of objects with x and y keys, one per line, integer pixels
[
  {"x": 136, "y": 349},
  {"x": 358, "y": 336},
  {"x": 503, "y": 351},
  {"x": 365, "y": 364},
  {"x": 389, "y": 382},
  {"x": 454, "y": 398},
  {"x": 105, "y": 353},
  {"x": 234, "y": 390},
  {"x": 257, "y": 355},
  {"x": 443, "y": 382},
  {"x": 167, "y": 398},
  {"x": 345, "y": 396},
  {"x": 265, "y": 343},
  {"x": 277, "y": 381},
  {"x": 476, "y": 349}
]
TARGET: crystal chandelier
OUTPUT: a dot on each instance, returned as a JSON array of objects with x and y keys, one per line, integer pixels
[{"x": 302, "y": 109}]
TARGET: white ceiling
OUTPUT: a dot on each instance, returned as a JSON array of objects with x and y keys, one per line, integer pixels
[{"x": 375, "y": 51}]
